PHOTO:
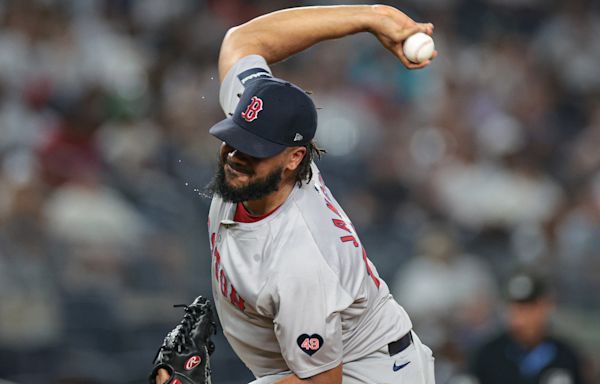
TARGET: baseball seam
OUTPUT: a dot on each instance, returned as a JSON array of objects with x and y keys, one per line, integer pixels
[{"x": 423, "y": 45}]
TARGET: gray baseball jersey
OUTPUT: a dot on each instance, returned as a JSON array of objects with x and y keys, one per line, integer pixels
[{"x": 295, "y": 291}]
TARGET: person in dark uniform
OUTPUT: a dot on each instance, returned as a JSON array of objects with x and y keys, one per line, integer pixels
[{"x": 525, "y": 353}]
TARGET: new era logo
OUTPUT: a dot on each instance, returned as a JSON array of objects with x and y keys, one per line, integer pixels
[{"x": 298, "y": 137}]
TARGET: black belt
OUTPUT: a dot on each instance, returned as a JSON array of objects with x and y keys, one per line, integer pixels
[{"x": 401, "y": 344}]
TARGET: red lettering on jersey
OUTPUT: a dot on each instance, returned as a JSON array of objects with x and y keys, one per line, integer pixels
[
  {"x": 236, "y": 299},
  {"x": 215, "y": 252},
  {"x": 322, "y": 186},
  {"x": 323, "y": 191},
  {"x": 369, "y": 270},
  {"x": 223, "y": 283},
  {"x": 221, "y": 278},
  {"x": 217, "y": 263},
  {"x": 341, "y": 224},
  {"x": 351, "y": 238},
  {"x": 332, "y": 208}
]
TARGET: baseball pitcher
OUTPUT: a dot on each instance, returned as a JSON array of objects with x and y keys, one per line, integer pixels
[{"x": 298, "y": 299}]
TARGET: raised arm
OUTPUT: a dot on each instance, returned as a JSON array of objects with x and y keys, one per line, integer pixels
[{"x": 279, "y": 35}]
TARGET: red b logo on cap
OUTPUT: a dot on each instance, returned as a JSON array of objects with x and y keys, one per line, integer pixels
[{"x": 255, "y": 106}]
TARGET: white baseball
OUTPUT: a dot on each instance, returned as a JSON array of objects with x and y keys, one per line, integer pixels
[{"x": 418, "y": 47}]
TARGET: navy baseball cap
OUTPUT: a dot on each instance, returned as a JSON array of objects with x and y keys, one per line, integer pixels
[
  {"x": 272, "y": 114},
  {"x": 525, "y": 287}
]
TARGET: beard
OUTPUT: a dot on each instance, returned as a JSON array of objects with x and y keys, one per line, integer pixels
[{"x": 254, "y": 190}]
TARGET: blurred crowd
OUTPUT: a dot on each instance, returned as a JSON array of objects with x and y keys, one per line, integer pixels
[{"x": 454, "y": 176}]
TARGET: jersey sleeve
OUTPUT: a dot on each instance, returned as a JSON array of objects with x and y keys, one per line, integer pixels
[
  {"x": 245, "y": 70},
  {"x": 307, "y": 322}
]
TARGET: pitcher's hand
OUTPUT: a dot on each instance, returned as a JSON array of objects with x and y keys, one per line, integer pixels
[
  {"x": 162, "y": 376},
  {"x": 392, "y": 27}
]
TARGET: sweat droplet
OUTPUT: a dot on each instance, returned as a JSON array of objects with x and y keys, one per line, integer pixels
[{"x": 187, "y": 183}]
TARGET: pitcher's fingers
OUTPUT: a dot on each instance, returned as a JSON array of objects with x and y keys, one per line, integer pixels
[
  {"x": 162, "y": 376},
  {"x": 422, "y": 64},
  {"x": 426, "y": 28},
  {"x": 402, "y": 57},
  {"x": 422, "y": 27},
  {"x": 399, "y": 53},
  {"x": 406, "y": 33}
]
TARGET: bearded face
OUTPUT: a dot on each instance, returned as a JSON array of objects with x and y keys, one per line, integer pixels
[{"x": 240, "y": 177}]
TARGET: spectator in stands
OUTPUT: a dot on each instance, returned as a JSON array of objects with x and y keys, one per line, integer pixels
[{"x": 527, "y": 353}]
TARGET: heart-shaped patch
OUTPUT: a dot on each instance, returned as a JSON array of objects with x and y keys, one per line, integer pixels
[{"x": 310, "y": 344}]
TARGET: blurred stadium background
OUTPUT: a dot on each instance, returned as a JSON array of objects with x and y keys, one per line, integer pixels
[{"x": 454, "y": 176}]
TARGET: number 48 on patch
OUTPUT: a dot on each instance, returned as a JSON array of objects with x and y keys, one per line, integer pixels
[{"x": 310, "y": 344}]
